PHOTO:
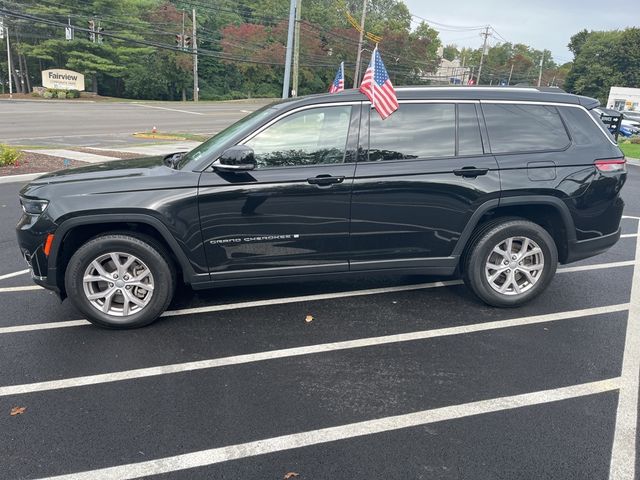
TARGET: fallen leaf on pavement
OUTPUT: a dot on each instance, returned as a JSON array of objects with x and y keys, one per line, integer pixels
[
  {"x": 17, "y": 411},
  {"x": 292, "y": 474},
  {"x": 309, "y": 318}
]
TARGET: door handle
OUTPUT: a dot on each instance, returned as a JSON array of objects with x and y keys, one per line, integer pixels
[
  {"x": 325, "y": 180},
  {"x": 470, "y": 172}
]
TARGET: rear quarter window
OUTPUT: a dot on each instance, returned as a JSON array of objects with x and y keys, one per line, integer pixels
[
  {"x": 524, "y": 128},
  {"x": 582, "y": 128}
]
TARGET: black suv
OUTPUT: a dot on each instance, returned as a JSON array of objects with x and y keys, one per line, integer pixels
[{"x": 495, "y": 184}]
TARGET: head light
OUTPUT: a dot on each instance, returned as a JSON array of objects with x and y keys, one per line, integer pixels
[{"x": 32, "y": 206}]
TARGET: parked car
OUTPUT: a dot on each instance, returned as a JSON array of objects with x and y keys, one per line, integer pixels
[
  {"x": 632, "y": 126},
  {"x": 629, "y": 115},
  {"x": 497, "y": 185}
]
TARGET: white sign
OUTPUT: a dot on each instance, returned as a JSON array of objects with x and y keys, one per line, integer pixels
[
  {"x": 68, "y": 33},
  {"x": 63, "y": 79}
]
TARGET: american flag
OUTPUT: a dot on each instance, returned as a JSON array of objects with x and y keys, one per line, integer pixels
[
  {"x": 338, "y": 82},
  {"x": 377, "y": 86}
]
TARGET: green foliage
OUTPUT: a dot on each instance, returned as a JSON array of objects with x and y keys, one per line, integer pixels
[
  {"x": 525, "y": 60},
  {"x": 603, "y": 60},
  {"x": 450, "y": 52},
  {"x": 242, "y": 46},
  {"x": 8, "y": 155},
  {"x": 630, "y": 150}
]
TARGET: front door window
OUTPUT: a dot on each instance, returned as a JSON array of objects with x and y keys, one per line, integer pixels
[{"x": 309, "y": 137}]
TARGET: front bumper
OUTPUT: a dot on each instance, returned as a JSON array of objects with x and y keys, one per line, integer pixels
[{"x": 32, "y": 232}]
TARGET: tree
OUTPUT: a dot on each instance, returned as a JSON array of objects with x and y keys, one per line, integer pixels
[
  {"x": 604, "y": 59},
  {"x": 450, "y": 52}
]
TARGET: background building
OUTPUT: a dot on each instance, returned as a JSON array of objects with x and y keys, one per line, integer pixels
[{"x": 623, "y": 98}]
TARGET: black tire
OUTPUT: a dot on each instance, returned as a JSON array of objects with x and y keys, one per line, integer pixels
[
  {"x": 144, "y": 248},
  {"x": 482, "y": 244}
]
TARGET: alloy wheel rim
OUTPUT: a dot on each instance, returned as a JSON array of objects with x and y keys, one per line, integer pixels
[
  {"x": 514, "y": 266},
  {"x": 118, "y": 284}
]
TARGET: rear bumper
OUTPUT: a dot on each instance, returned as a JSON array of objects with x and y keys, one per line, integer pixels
[{"x": 579, "y": 250}]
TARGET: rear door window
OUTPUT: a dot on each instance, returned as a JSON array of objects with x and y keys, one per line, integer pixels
[
  {"x": 420, "y": 130},
  {"x": 524, "y": 128}
]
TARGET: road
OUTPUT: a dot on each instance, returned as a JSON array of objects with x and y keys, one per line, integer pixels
[
  {"x": 111, "y": 124},
  {"x": 227, "y": 388}
]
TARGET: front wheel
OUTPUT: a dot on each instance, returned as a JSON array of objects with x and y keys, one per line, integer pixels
[
  {"x": 120, "y": 281},
  {"x": 510, "y": 263}
]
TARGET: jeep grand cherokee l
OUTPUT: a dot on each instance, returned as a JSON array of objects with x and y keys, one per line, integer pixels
[{"x": 498, "y": 185}]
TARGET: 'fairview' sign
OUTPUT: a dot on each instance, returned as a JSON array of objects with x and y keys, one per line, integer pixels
[{"x": 63, "y": 79}]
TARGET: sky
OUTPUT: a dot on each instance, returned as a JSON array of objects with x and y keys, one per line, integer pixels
[{"x": 544, "y": 24}]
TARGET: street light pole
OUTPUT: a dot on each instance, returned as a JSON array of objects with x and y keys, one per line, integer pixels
[
  {"x": 9, "y": 63},
  {"x": 541, "y": 63},
  {"x": 296, "y": 51},
  {"x": 287, "y": 62},
  {"x": 194, "y": 43}
]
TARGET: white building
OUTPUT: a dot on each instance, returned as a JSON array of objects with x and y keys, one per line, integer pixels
[
  {"x": 623, "y": 98},
  {"x": 448, "y": 72}
]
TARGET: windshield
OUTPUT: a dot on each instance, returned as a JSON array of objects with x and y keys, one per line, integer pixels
[{"x": 245, "y": 125}]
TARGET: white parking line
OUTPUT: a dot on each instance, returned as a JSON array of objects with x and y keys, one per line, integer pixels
[
  {"x": 630, "y": 217},
  {"x": 23, "y": 288},
  {"x": 332, "y": 434},
  {"x": 170, "y": 109},
  {"x": 276, "y": 301},
  {"x": 299, "y": 351},
  {"x": 14, "y": 274},
  {"x": 623, "y": 453},
  {"x": 629, "y": 235},
  {"x": 598, "y": 266}
]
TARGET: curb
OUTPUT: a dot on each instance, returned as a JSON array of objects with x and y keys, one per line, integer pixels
[
  {"x": 20, "y": 178},
  {"x": 633, "y": 161}
]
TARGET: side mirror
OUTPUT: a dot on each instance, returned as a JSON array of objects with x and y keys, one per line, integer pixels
[{"x": 236, "y": 159}]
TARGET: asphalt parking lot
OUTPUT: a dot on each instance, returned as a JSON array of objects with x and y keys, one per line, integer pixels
[
  {"x": 395, "y": 378},
  {"x": 111, "y": 124}
]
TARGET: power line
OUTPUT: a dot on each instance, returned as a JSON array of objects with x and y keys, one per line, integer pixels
[{"x": 148, "y": 43}]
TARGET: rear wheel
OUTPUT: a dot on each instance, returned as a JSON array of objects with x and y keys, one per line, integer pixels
[
  {"x": 120, "y": 281},
  {"x": 510, "y": 262}
]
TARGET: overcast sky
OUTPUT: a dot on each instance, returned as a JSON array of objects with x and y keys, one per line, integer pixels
[{"x": 542, "y": 24}]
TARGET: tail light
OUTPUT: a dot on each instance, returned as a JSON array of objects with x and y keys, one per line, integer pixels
[{"x": 611, "y": 164}]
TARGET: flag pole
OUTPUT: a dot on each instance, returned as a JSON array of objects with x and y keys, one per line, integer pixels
[{"x": 373, "y": 71}]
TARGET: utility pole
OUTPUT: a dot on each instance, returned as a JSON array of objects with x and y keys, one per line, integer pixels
[
  {"x": 510, "y": 74},
  {"x": 486, "y": 35},
  {"x": 287, "y": 62},
  {"x": 194, "y": 43},
  {"x": 356, "y": 79},
  {"x": 296, "y": 50},
  {"x": 6, "y": 31},
  {"x": 541, "y": 63}
]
